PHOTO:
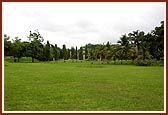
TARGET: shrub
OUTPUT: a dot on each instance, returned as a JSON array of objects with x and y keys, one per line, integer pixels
[
  {"x": 148, "y": 62},
  {"x": 142, "y": 62}
]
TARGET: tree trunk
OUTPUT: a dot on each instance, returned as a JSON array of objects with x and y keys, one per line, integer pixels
[
  {"x": 14, "y": 60},
  {"x": 91, "y": 62},
  {"x": 18, "y": 59},
  {"x": 32, "y": 59}
]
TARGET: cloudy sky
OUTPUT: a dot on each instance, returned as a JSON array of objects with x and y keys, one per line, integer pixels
[{"x": 76, "y": 24}]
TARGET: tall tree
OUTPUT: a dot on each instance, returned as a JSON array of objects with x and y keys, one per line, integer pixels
[
  {"x": 56, "y": 52},
  {"x": 17, "y": 48},
  {"x": 76, "y": 53},
  {"x": 120, "y": 53},
  {"x": 47, "y": 51},
  {"x": 26, "y": 49},
  {"x": 144, "y": 48},
  {"x": 7, "y": 46},
  {"x": 101, "y": 52},
  {"x": 52, "y": 49},
  {"x": 86, "y": 52},
  {"x": 81, "y": 53},
  {"x": 136, "y": 37},
  {"x": 35, "y": 44},
  {"x": 61, "y": 56},
  {"x": 68, "y": 53},
  {"x": 132, "y": 53},
  {"x": 114, "y": 49},
  {"x": 124, "y": 42},
  {"x": 158, "y": 33},
  {"x": 73, "y": 54},
  {"x": 64, "y": 52},
  {"x": 108, "y": 51}
]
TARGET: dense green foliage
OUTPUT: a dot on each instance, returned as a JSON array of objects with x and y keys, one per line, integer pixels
[
  {"x": 137, "y": 46},
  {"x": 71, "y": 86}
]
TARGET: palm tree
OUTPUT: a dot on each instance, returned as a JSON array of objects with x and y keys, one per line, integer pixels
[
  {"x": 124, "y": 41},
  {"x": 114, "y": 52},
  {"x": 120, "y": 53},
  {"x": 132, "y": 53},
  {"x": 145, "y": 45},
  {"x": 136, "y": 38},
  {"x": 100, "y": 51}
]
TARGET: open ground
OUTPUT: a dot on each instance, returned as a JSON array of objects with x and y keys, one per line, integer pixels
[{"x": 71, "y": 86}]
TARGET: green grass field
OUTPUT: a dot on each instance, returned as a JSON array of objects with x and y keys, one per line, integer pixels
[{"x": 58, "y": 86}]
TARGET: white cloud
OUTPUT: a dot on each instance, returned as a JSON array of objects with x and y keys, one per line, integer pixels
[{"x": 76, "y": 24}]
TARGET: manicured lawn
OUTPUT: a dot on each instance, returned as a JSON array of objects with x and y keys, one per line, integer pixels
[{"x": 82, "y": 87}]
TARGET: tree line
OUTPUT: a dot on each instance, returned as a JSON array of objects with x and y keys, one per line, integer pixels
[{"x": 136, "y": 46}]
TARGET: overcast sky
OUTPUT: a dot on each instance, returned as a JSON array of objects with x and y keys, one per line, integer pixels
[{"x": 77, "y": 24}]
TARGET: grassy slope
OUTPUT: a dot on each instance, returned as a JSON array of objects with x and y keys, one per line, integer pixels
[{"x": 82, "y": 86}]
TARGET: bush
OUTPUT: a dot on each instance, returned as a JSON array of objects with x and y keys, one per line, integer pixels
[
  {"x": 148, "y": 62},
  {"x": 143, "y": 62},
  {"x": 22, "y": 60},
  {"x": 140, "y": 61}
]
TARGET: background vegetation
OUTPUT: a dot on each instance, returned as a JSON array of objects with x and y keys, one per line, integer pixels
[{"x": 142, "y": 49}]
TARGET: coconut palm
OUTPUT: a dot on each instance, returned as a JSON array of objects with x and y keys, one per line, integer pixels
[{"x": 124, "y": 42}]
